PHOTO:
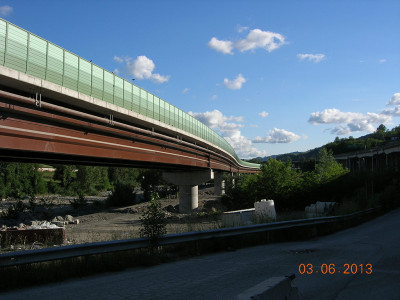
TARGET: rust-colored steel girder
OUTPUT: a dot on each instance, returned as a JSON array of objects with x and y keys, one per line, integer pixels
[{"x": 65, "y": 135}]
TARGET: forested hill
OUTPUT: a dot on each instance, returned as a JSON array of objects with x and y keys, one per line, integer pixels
[{"x": 380, "y": 137}]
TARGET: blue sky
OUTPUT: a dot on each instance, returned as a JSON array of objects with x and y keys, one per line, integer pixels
[{"x": 271, "y": 77}]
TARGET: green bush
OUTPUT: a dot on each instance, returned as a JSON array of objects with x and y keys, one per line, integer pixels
[
  {"x": 19, "y": 180},
  {"x": 154, "y": 222},
  {"x": 79, "y": 202}
]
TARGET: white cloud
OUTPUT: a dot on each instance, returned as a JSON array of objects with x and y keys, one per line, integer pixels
[
  {"x": 392, "y": 112},
  {"x": 278, "y": 136},
  {"x": 349, "y": 121},
  {"x": 394, "y": 100},
  {"x": 5, "y": 10},
  {"x": 159, "y": 78},
  {"x": 118, "y": 59},
  {"x": 235, "y": 84},
  {"x": 216, "y": 120},
  {"x": 142, "y": 68},
  {"x": 242, "y": 28},
  {"x": 260, "y": 39},
  {"x": 214, "y": 97},
  {"x": 244, "y": 147},
  {"x": 230, "y": 130},
  {"x": 116, "y": 71},
  {"x": 256, "y": 38},
  {"x": 383, "y": 60},
  {"x": 333, "y": 115},
  {"x": 263, "y": 114},
  {"x": 311, "y": 57},
  {"x": 185, "y": 90},
  {"x": 225, "y": 47}
]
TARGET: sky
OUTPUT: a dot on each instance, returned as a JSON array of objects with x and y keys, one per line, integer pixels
[{"x": 271, "y": 77}]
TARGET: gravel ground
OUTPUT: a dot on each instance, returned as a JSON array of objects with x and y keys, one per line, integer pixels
[{"x": 97, "y": 224}]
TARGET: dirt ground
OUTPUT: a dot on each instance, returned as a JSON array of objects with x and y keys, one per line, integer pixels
[
  {"x": 97, "y": 223},
  {"x": 124, "y": 222}
]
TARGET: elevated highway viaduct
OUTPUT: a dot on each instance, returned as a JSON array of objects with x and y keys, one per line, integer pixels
[{"x": 56, "y": 107}]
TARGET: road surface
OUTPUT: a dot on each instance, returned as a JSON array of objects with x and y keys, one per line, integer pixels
[{"x": 225, "y": 275}]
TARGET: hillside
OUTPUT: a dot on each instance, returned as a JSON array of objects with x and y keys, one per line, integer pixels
[{"x": 380, "y": 137}]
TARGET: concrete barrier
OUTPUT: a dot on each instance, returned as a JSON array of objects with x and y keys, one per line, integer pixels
[
  {"x": 265, "y": 211},
  {"x": 274, "y": 288},
  {"x": 320, "y": 209},
  {"x": 238, "y": 217}
]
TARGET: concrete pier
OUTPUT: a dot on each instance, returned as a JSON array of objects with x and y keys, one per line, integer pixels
[
  {"x": 219, "y": 183},
  {"x": 188, "y": 187}
]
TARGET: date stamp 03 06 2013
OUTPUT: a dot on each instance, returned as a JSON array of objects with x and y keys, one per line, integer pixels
[{"x": 347, "y": 269}]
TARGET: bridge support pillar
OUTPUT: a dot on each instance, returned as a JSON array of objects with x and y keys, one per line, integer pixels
[
  {"x": 188, "y": 187},
  {"x": 219, "y": 184},
  {"x": 188, "y": 198}
]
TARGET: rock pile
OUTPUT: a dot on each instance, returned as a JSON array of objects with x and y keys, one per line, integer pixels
[{"x": 62, "y": 221}]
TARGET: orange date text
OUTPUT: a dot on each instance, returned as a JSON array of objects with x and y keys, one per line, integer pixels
[{"x": 347, "y": 269}]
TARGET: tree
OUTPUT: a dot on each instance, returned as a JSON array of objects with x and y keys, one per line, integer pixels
[
  {"x": 65, "y": 174},
  {"x": 239, "y": 195},
  {"x": 381, "y": 128},
  {"x": 89, "y": 180},
  {"x": 126, "y": 176},
  {"x": 381, "y": 132},
  {"x": 149, "y": 180},
  {"x": 19, "y": 180},
  {"x": 327, "y": 167},
  {"x": 278, "y": 180}
]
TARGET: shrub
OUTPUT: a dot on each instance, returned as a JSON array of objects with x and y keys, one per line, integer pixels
[
  {"x": 79, "y": 202},
  {"x": 154, "y": 222}
]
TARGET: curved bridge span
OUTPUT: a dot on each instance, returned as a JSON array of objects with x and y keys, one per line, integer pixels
[
  {"x": 38, "y": 130},
  {"x": 79, "y": 94},
  {"x": 56, "y": 107}
]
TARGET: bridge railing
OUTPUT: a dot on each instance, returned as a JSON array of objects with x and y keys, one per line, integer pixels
[{"x": 25, "y": 52}]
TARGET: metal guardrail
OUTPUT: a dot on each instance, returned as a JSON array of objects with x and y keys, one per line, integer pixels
[{"x": 63, "y": 252}]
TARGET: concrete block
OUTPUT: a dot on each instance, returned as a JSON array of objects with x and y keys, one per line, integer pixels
[
  {"x": 319, "y": 209},
  {"x": 238, "y": 217},
  {"x": 274, "y": 288},
  {"x": 265, "y": 210}
]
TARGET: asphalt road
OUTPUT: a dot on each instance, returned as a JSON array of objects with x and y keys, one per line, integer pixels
[{"x": 225, "y": 275}]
